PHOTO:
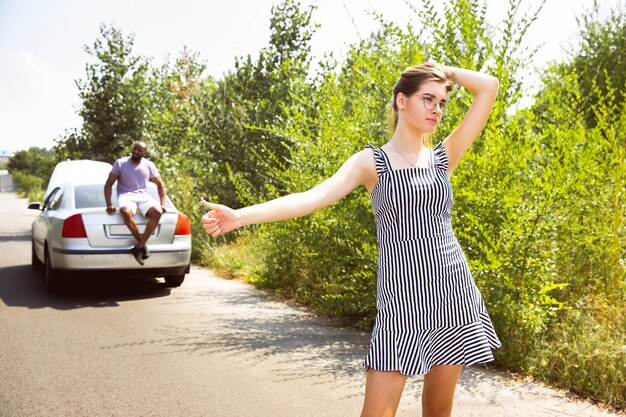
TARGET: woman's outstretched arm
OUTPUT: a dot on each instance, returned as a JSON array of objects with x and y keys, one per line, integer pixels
[
  {"x": 484, "y": 88},
  {"x": 357, "y": 170}
]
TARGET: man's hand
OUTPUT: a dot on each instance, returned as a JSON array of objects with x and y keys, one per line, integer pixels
[{"x": 111, "y": 209}]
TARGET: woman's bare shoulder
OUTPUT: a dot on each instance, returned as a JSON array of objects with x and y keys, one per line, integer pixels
[{"x": 365, "y": 163}]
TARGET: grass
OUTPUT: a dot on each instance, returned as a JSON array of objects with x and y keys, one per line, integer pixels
[{"x": 236, "y": 260}]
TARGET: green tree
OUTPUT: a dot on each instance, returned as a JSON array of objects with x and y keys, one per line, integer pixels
[
  {"x": 114, "y": 104},
  {"x": 598, "y": 61},
  {"x": 255, "y": 102},
  {"x": 178, "y": 93},
  {"x": 33, "y": 161},
  {"x": 31, "y": 170},
  {"x": 578, "y": 117}
]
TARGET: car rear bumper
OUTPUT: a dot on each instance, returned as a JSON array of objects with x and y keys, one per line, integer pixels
[
  {"x": 120, "y": 259},
  {"x": 127, "y": 273}
]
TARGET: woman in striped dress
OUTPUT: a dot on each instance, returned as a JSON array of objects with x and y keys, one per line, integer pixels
[{"x": 431, "y": 318}]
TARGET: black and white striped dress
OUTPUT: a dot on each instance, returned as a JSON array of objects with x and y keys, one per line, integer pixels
[{"x": 429, "y": 310}]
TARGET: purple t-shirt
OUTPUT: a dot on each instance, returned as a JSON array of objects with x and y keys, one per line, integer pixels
[{"x": 133, "y": 178}]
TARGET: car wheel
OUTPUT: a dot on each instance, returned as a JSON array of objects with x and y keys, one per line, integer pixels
[
  {"x": 52, "y": 275},
  {"x": 174, "y": 280},
  {"x": 35, "y": 263}
]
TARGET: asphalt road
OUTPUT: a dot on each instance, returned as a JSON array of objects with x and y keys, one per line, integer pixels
[{"x": 213, "y": 347}]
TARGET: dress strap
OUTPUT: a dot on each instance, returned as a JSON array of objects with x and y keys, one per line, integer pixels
[
  {"x": 441, "y": 157},
  {"x": 382, "y": 164}
]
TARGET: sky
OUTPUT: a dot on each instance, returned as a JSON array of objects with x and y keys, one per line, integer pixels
[{"x": 42, "y": 44}]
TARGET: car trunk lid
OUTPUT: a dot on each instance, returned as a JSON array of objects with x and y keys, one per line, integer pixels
[{"x": 108, "y": 230}]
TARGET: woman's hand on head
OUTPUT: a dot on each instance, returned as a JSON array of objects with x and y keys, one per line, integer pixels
[{"x": 219, "y": 219}]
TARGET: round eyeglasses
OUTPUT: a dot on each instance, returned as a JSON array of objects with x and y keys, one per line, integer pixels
[{"x": 430, "y": 102}]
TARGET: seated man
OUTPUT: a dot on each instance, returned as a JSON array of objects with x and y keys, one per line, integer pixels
[{"x": 132, "y": 174}]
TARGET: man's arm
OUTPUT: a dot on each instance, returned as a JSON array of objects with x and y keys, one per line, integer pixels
[
  {"x": 161, "y": 188},
  {"x": 107, "y": 192}
]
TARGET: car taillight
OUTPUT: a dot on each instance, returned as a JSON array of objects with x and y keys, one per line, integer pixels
[
  {"x": 182, "y": 225},
  {"x": 73, "y": 226}
]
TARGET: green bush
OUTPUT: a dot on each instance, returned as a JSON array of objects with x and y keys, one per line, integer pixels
[{"x": 30, "y": 186}]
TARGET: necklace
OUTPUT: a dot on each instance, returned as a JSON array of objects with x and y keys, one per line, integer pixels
[{"x": 402, "y": 155}]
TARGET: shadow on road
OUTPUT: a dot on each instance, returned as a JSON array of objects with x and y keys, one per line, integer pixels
[
  {"x": 236, "y": 321},
  {"x": 25, "y": 237},
  {"x": 240, "y": 322},
  {"x": 20, "y": 286}
]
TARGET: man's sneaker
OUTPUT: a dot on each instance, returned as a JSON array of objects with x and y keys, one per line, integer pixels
[
  {"x": 138, "y": 254},
  {"x": 146, "y": 253}
]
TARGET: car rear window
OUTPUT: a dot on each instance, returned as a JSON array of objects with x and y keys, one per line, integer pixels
[{"x": 90, "y": 196}]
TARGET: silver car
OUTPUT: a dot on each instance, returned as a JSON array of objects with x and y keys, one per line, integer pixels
[{"x": 74, "y": 234}]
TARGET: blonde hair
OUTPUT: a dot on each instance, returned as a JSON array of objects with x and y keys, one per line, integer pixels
[{"x": 411, "y": 80}]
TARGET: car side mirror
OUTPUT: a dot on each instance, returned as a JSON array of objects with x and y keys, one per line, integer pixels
[{"x": 35, "y": 206}]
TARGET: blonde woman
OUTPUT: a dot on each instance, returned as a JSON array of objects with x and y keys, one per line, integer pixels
[{"x": 431, "y": 318}]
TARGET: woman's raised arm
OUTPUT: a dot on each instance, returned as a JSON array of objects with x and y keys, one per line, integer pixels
[{"x": 484, "y": 88}]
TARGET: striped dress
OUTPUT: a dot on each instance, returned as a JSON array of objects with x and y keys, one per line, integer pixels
[{"x": 429, "y": 310}]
